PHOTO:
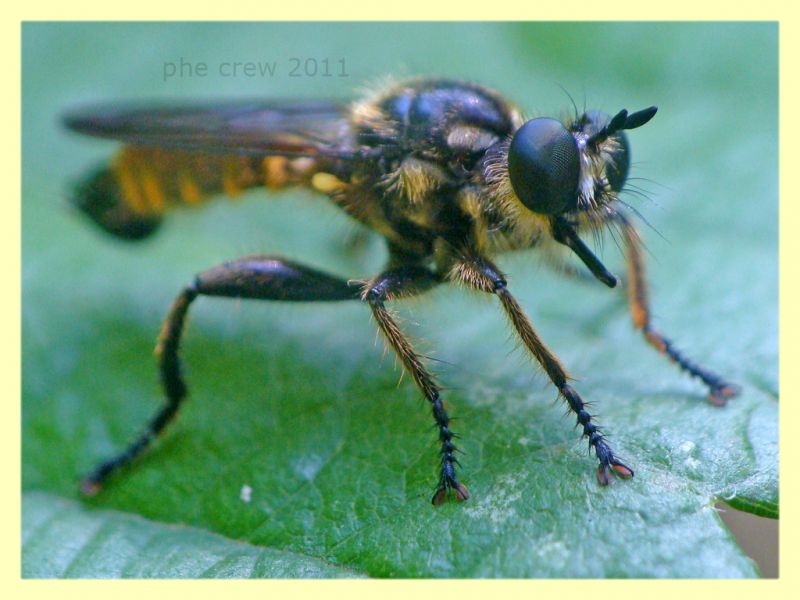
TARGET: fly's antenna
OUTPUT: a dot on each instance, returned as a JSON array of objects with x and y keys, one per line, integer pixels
[{"x": 622, "y": 120}]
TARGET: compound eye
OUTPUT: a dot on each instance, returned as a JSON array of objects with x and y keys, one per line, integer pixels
[
  {"x": 617, "y": 169},
  {"x": 544, "y": 166}
]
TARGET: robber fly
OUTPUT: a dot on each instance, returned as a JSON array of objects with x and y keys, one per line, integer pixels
[{"x": 448, "y": 173}]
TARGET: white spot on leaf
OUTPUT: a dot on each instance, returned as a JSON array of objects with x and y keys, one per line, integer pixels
[{"x": 246, "y": 494}]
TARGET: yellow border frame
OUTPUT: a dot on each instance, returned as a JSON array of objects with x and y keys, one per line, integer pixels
[{"x": 765, "y": 10}]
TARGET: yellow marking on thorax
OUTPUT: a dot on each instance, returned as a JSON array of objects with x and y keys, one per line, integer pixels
[
  {"x": 414, "y": 180},
  {"x": 472, "y": 205}
]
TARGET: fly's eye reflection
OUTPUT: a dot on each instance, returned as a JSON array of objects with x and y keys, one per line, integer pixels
[{"x": 544, "y": 166}]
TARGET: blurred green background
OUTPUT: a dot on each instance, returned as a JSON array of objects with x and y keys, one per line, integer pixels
[{"x": 295, "y": 402}]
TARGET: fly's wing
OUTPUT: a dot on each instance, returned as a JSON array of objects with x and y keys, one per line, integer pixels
[
  {"x": 262, "y": 128},
  {"x": 183, "y": 155}
]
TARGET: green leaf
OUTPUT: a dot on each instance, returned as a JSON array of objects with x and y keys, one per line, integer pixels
[
  {"x": 294, "y": 402},
  {"x": 63, "y": 538}
]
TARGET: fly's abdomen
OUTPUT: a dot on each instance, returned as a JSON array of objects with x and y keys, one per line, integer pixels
[
  {"x": 101, "y": 198},
  {"x": 129, "y": 197}
]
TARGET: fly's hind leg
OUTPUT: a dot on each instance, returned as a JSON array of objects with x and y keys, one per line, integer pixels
[
  {"x": 402, "y": 282},
  {"x": 720, "y": 390},
  {"x": 257, "y": 277}
]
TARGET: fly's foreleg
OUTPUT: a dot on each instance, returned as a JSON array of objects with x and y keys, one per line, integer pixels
[
  {"x": 480, "y": 274},
  {"x": 259, "y": 278},
  {"x": 720, "y": 390},
  {"x": 397, "y": 283}
]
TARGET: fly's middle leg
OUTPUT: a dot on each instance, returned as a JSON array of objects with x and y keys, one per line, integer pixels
[{"x": 397, "y": 283}]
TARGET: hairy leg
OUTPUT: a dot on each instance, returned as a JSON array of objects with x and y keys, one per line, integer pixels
[
  {"x": 720, "y": 390},
  {"x": 480, "y": 274},
  {"x": 402, "y": 282}
]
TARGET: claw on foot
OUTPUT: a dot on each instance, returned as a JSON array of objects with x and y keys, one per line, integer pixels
[
  {"x": 604, "y": 472},
  {"x": 462, "y": 493},
  {"x": 719, "y": 395}
]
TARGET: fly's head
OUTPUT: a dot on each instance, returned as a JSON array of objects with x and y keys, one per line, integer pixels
[
  {"x": 558, "y": 169},
  {"x": 566, "y": 175}
]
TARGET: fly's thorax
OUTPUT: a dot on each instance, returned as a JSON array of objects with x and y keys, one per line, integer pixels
[
  {"x": 448, "y": 123},
  {"x": 431, "y": 136},
  {"x": 414, "y": 180}
]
